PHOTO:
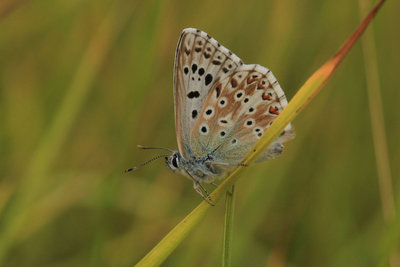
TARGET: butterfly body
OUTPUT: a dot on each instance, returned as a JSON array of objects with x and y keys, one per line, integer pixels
[{"x": 202, "y": 169}]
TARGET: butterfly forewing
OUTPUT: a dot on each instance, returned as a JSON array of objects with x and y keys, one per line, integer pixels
[{"x": 200, "y": 63}]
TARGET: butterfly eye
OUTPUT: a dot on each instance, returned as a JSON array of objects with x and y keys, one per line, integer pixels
[{"x": 175, "y": 162}]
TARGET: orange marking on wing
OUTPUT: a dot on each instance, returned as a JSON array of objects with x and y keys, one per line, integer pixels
[
  {"x": 260, "y": 86},
  {"x": 266, "y": 96},
  {"x": 234, "y": 83},
  {"x": 218, "y": 89},
  {"x": 273, "y": 110},
  {"x": 250, "y": 80}
]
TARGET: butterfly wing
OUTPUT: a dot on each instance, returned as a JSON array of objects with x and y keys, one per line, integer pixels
[
  {"x": 236, "y": 113},
  {"x": 200, "y": 63}
]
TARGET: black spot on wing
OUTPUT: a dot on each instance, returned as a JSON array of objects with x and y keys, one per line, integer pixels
[
  {"x": 194, "y": 68},
  {"x": 208, "y": 79},
  {"x": 193, "y": 94}
]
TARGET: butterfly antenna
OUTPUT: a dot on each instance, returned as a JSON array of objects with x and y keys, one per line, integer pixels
[
  {"x": 147, "y": 147},
  {"x": 144, "y": 163}
]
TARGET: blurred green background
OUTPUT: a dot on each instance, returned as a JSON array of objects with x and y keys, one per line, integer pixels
[{"x": 83, "y": 82}]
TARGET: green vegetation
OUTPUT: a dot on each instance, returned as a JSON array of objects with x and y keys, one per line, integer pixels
[{"x": 82, "y": 83}]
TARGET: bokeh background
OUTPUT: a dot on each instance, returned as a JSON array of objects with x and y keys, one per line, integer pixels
[{"x": 83, "y": 82}]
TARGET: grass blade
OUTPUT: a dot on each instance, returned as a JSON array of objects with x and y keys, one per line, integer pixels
[
  {"x": 228, "y": 227},
  {"x": 305, "y": 94},
  {"x": 377, "y": 120}
]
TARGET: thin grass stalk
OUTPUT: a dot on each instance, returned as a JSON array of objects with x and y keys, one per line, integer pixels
[
  {"x": 228, "y": 227},
  {"x": 305, "y": 94},
  {"x": 377, "y": 119}
]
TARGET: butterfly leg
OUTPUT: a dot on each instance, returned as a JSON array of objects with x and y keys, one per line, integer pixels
[
  {"x": 200, "y": 189},
  {"x": 214, "y": 184}
]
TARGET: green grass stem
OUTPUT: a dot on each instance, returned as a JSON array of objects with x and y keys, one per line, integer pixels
[
  {"x": 228, "y": 227},
  {"x": 377, "y": 119}
]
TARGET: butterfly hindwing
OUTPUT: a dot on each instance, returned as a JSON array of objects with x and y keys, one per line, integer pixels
[
  {"x": 199, "y": 64},
  {"x": 236, "y": 113}
]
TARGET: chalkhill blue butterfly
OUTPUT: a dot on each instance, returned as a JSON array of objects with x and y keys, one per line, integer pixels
[{"x": 222, "y": 107}]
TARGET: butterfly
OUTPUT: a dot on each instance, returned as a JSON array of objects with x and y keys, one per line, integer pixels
[{"x": 222, "y": 107}]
